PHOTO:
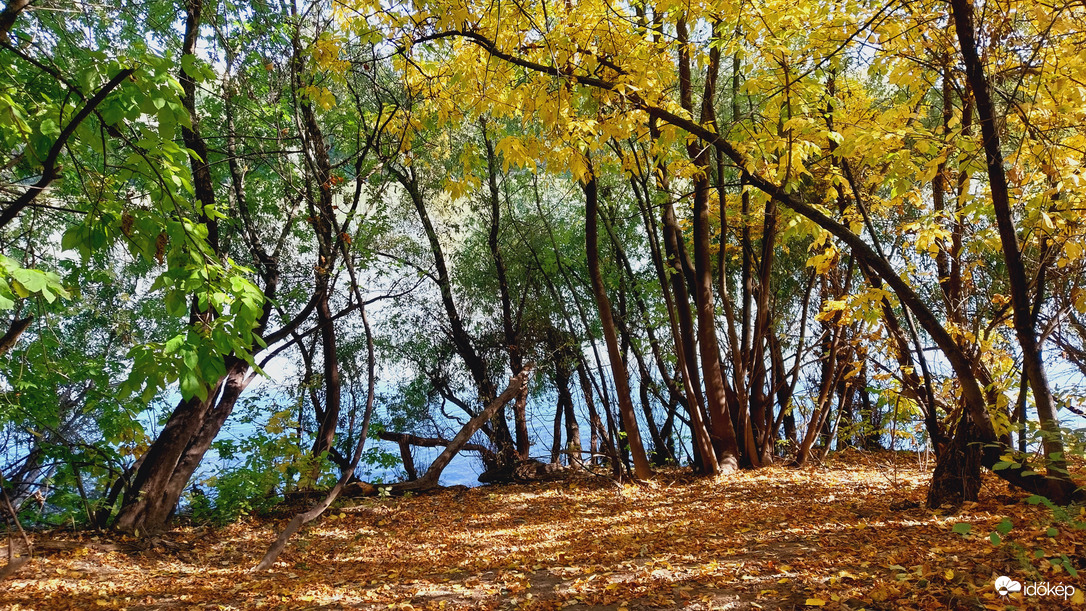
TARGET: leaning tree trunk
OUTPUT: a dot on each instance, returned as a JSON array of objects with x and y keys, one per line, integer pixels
[
  {"x": 151, "y": 498},
  {"x": 316, "y": 510},
  {"x": 430, "y": 478},
  {"x": 465, "y": 347},
  {"x": 1059, "y": 480}
]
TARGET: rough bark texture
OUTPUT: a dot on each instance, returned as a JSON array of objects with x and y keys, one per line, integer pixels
[
  {"x": 9, "y": 15},
  {"x": 956, "y": 479}
]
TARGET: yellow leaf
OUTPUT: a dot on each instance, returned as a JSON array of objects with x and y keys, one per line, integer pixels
[
  {"x": 1046, "y": 222},
  {"x": 949, "y": 574},
  {"x": 1078, "y": 298},
  {"x": 815, "y": 602}
]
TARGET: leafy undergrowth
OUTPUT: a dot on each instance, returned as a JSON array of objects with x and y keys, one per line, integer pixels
[{"x": 851, "y": 534}]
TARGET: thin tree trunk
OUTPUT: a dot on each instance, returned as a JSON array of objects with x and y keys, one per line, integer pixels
[
  {"x": 465, "y": 347},
  {"x": 720, "y": 421},
  {"x": 512, "y": 343}
]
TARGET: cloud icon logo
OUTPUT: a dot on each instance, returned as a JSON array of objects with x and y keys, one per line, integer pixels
[{"x": 1005, "y": 585}]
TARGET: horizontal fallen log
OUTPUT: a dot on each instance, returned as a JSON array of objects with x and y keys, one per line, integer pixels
[
  {"x": 430, "y": 442},
  {"x": 526, "y": 471}
]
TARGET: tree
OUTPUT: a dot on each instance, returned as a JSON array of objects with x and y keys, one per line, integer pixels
[{"x": 586, "y": 66}]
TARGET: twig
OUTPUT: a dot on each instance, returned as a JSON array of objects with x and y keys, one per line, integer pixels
[{"x": 316, "y": 510}]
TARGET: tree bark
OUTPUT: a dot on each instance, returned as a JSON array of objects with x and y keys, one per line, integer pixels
[
  {"x": 1060, "y": 481},
  {"x": 642, "y": 470},
  {"x": 720, "y": 420},
  {"x": 15, "y": 330}
]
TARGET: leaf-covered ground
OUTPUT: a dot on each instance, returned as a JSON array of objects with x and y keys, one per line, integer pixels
[{"x": 851, "y": 534}]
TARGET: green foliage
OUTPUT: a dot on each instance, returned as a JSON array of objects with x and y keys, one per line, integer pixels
[
  {"x": 1032, "y": 552},
  {"x": 267, "y": 463},
  {"x": 17, "y": 282}
]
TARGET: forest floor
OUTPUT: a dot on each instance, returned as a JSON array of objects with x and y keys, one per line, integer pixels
[{"x": 850, "y": 534}]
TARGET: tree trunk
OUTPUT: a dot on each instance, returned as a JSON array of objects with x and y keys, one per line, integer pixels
[
  {"x": 1062, "y": 487},
  {"x": 956, "y": 479},
  {"x": 465, "y": 347},
  {"x": 512, "y": 343},
  {"x": 642, "y": 470},
  {"x": 430, "y": 478},
  {"x": 152, "y": 494},
  {"x": 154, "y": 491},
  {"x": 716, "y": 402}
]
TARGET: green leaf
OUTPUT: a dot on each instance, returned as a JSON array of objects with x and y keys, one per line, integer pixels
[
  {"x": 32, "y": 279},
  {"x": 190, "y": 359},
  {"x": 995, "y": 539},
  {"x": 189, "y": 65},
  {"x": 192, "y": 386},
  {"x": 1005, "y": 526},
  {"x": 1037, "y": 499},
  {"x": 212, "y": 367},
  {"x": 962, "y": 528},
  {"x": 1052, "y": 531},
  {"x": 71, "y": 238},
  {"x": 175, "y": 303},
  {"x": 112, "y": 113},
  {"x": 50, "y": 128},
  {"x": 173, "y": 345}
]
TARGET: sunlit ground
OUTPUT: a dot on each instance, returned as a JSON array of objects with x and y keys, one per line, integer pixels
[{"x": 852, "y": 534}]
